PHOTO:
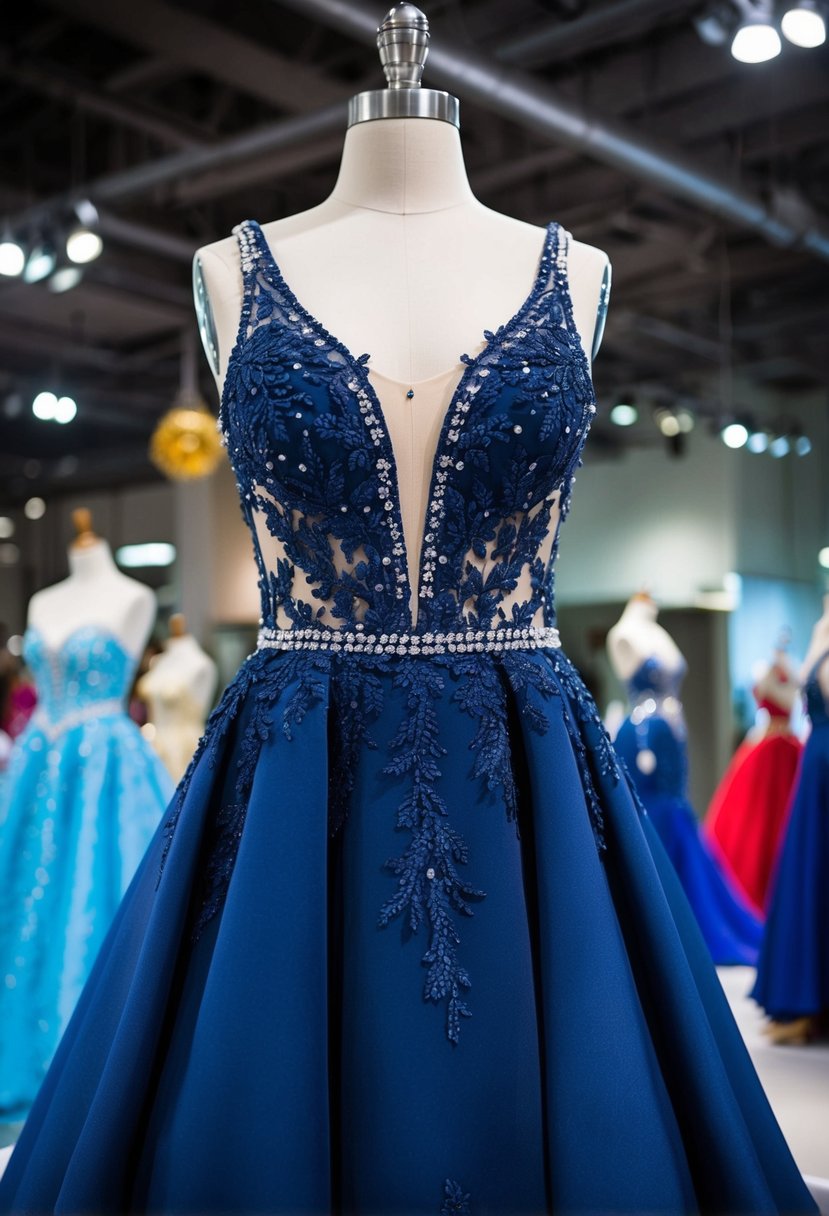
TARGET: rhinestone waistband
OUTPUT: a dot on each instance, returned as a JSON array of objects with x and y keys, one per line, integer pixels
[
  {"x": 53, "y": 728},
  {"x": 508, "y": 637}
]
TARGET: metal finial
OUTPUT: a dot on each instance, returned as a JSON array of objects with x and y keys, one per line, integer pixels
[{"x": 403, "y": 44}]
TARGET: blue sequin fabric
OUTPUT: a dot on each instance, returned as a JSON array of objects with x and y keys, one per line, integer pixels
[{"x": 82, "y": 797}]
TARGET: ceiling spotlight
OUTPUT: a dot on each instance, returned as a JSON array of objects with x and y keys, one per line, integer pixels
[
  {"x": 803, "y": 24},
  {"x": 40, "y": 263},
  {"x": 756, "y": 41},
  {"x": 6, "y": 527},
  {"x": 803, "y": 445},
  {"x": 686, "y": 419},
  {"x": 823, "y": 558},
  {"x": 734, "y": 435},
  {"x": 65, "y": 279},
  {"x": 779, "y": 446},
  {"x": 668, "y": 422},
  {"x": 12, "y": 256},
  {"x": 34, "y": 508},
  {"x": 83, "y": 245},
  {"x": 758, "y": 441},
  {"x": 65, "y": 410},
  {"x": 624, "y": 413},
  {"x": 45, "y": 406}
]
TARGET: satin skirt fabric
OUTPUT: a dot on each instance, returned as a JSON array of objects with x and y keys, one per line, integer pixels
[
  {"x": 793, "y": 971},
  {"x": 746, "y": 820},
  {"x": 287, "y": 1062},
  {"x": 77, "y": 814}
]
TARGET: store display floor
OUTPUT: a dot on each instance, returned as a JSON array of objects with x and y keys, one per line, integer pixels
[{"x": 796, "y": 1080}]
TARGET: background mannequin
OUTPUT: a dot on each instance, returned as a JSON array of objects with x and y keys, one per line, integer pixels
[
  {"x": 95, "y": 593},
  {"x": 178, "y": 688},
  {"x": 79, "y": 803},
  {"x": 636, "y": 637},
  {"x": 747, "y": 816},
  {"x": 652, "y": 742}
]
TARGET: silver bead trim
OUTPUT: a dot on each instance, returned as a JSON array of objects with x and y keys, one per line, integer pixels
[
  {"x": 53, "y": 729},
  {"x": 508, "y": 637}
]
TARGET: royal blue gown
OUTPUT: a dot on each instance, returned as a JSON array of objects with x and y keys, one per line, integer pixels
[
  {"x": 83, "y": 795},
  {"x": 406, "y": 943},
  {"x": 652, "y": 741},
  {"x": 793, "y": 972}
]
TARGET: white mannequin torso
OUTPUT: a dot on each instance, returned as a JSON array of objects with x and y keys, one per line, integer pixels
[
  {"x": 182, "y": 665},
  {"x": 637, "y": 637},
  {"x": 95, "y": 593},
  {"x": 818, "y": 648},
  {"x": 403, "y": 262}
]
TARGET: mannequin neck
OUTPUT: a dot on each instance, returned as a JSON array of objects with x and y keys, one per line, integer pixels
[
  {"x": 91, "y": 562},
  {"x": 640, "y": 611},
  {"x": 403, "y": 166}
]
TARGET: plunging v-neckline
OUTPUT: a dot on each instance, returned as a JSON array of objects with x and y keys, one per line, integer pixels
[{"x": 356, "y": 365}]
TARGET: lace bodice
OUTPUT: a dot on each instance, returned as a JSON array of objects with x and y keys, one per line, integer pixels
[
  {"x": 89, "y": 673},
  {"x": 317, "y": 475}
]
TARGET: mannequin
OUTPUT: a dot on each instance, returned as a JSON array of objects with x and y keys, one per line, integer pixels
[
  {"x": 747, "y": 816},
  {"x": 95, "y": 593},
  {"x": 178, "y": 688},
  {"x": 652, "y": 741},
  {"x": 818, "y": 649},
  {"x": 401, "y": 259},
  {"x": 636, "y": 637}
]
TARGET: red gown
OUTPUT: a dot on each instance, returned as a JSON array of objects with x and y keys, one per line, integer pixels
[{"x": 747, "y": 817}]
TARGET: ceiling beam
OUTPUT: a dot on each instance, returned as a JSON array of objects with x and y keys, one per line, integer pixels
[{"x": 201, "y": 45}]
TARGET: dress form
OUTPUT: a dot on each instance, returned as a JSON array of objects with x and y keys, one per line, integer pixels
[
  {"x": 818, "y": 648},
  {"x": 95, "y": 593},
  {"x": 776, "y": 690},
  {"x": 402, "y": 259},
  {"x": 636, "y": 637},
  {"x": 178, "y": 689}
]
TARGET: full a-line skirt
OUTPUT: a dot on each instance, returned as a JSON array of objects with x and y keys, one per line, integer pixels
[{"x": 252, "y": 1040}]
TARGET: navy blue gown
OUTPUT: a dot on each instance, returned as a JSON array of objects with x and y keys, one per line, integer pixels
[
  {"x": 793, "y": 972},
  {"x": 652, "y": 742},
  {"x": 406, "y": 943}
]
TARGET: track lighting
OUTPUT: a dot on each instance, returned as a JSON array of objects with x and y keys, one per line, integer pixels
[
  {"x": 779, "y": 446},
  {"x": 756, "y": 40},
  {"x": 65, "y": 279},
  {"x": 40, "y": 263},
  {"x": 624, "y": 413},
  {"x": 734, "y": 435},
  {"x": 83, "y": 244},
  {"x": 50, "y": 408},
  {"x": 804, "y": 24},
  {"x": 12, "y": 256}
]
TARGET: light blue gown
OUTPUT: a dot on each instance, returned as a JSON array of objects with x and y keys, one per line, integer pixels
[{"x": 81, "y": 798}]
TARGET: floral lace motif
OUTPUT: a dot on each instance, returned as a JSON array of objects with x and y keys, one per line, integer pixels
[
  {"x": 455, "y": 1202},
  {"x": 432, "y": 893}
]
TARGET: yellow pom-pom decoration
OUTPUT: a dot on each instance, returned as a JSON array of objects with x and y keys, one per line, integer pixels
[{"x": 185, "y": 444}]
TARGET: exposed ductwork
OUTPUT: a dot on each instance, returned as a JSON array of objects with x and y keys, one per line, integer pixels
[{"x": 521, "y": 98}]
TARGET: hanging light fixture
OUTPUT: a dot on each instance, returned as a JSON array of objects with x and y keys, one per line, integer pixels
[
  {"x": 624, "y": 413},
  {"x": 12, "y": 255},
  {"x": 40, "y": 263},
  {"x": 756, "y": 40},
  {"x": 734, "y": 435},
  {"x": 84, "y": 244},
  {"x": 804, "y": 24}
]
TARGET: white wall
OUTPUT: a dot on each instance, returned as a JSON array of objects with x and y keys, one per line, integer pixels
[{"x": 650, "y": 520}]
